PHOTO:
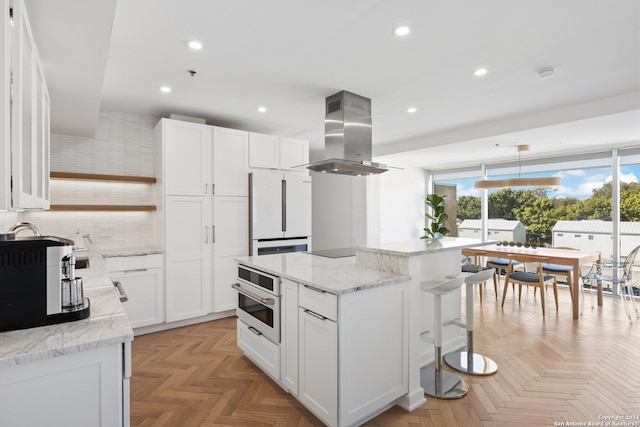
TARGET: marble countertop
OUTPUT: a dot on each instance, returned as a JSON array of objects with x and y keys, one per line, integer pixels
[
  {"x": 334, "y": 275},
  {"x": 107, "y": 325},
  {"x": 132, "y": 252},
  {"x": 422, "y": 246}
]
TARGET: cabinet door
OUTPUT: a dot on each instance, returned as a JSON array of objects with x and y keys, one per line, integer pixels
[
  {"x": 187, "y": 158},
  {"x": 40, "y": 393},
  {"x": 294, "y": 152},
  {"x": 231, "y": 241},
  {"x": 319, "y": 366},
  {"x": 231, "y": 163},
  {"x": 145, "y": 305},
  {"x": 5, "y": 120},
  {"x": 23, "y": 93},
  {"x": 188, "y": 249},
  {"x": 289, "y": 336},
  {"x": 264, "y": 151},
  {"x": 41, "y": 118},
  {"x": 298, "y": 205}
]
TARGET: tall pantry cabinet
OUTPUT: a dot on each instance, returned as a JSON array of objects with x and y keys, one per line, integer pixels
[{"x": 202, "y": 174}]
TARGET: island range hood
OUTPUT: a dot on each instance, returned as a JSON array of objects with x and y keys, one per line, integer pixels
[{"x": 347, "y": 139}]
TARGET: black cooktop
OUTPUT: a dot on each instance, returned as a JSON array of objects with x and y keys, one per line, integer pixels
[{"x": 334, "y": 253}]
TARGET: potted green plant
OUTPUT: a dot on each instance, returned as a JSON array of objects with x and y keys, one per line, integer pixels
[{"x": 438, "y": 217}]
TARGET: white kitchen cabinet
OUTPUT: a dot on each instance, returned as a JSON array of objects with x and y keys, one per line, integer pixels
[
  {"x": 5, "y": 108},
  {"x": 230, "y": 162},
  {"x": 25, "y": 154},
  {"x": 293, "y": 152},
  {"x": 42, "y": 141},
  {"x": 264, "y": 151},
  {"x": 272, "y": 152},
  {"x": 231, "y": 241},
  {"x": 259, "y": 349},
  {"x": 345, "y": 357},
  {"x": 186, "y": 153},
  {"x": 289, "y": 336},
  {"x": 89, "y": 388},
  {"x": 142, "y": 279},
  {"x": 188, "y": 256},
  {"x": 318, "y": 352}
]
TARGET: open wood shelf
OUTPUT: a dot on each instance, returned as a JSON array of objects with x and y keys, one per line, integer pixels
[
  {"x": 118, "y": 208},
  {"x": 102, "y": 177}
]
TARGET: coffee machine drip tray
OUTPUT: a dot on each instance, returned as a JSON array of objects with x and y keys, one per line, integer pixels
[{"x": 70, "y": 314}]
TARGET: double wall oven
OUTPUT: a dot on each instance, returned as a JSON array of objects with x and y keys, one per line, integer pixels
[{"x": 259, "y": 302}]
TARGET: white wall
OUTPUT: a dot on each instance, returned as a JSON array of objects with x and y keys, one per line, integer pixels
[
  {"x": 352, "y": 211},
  {"x": 399, "y": 201},
  {"x": 338, "y": 211}
]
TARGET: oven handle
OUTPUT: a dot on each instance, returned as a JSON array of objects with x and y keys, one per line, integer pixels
[{"x": 240, "y": 289}]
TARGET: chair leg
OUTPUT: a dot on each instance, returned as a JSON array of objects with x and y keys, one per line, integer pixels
[
  {"x": 495, "y": 285},
  {"x": 542, "y": 299},
  {"x": 519, "y": 293},
  {"x": 480, "y": 288},
  {"x": 555, "y": 292},
  {"x": 504, "y": 293}
]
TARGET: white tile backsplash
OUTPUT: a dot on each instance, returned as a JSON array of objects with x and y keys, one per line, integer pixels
[{"x": 123, "y": 145}]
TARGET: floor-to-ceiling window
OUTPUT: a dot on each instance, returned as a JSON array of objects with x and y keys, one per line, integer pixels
[{"x": 577, "y": 214}]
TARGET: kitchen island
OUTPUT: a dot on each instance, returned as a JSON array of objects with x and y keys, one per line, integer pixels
[
  {"x": 74, "y": 373},
  {"x": 350, "y": 343}
]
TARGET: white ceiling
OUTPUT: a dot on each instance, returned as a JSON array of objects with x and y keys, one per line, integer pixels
[{"x": 289, "y": 55}]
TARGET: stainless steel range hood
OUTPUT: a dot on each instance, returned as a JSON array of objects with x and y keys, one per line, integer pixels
[{"x": 347, "y": 139}]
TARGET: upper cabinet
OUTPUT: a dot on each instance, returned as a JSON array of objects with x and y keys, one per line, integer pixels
[
  {"x": 230, "y": 159},
  {"x": 271, "y": 152},
  {"x": 28, "y": 116},
  {"x": 187, "y": 168},
  {"x": 5, "y": 119},
  {"x": 293, "y": 152}
]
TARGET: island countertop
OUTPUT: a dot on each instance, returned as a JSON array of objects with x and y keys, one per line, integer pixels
[
  {"x": 422, "y": 246},
  {"x": 333, "y": 275},
  {"x": 107, "y": 325}
]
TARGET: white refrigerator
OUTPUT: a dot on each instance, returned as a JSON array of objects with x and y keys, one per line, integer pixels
[{"x": 280, "y": 212}]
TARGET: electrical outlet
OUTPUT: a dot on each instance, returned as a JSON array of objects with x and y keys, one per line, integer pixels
[{"x": 106, "y": 231}]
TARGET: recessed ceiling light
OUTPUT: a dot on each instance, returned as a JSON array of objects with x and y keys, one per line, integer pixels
[
  {"x": 479, "y": 72},
  {"x": 195, "y": 45},
  {"x": 165, "y": 89},
  {"x": 411, "y": 110},
  {"x": 262, "y": 109},
  {"x": 401, "y": 30}
]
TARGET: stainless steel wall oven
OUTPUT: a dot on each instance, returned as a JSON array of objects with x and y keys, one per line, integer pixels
[{"x": 259, "y": 302}]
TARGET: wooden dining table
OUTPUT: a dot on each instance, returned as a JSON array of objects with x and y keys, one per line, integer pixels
[{"x": 549, "y": 256}]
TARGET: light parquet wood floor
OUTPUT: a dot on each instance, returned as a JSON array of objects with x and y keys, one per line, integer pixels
[{"x": 555, "y": 369}]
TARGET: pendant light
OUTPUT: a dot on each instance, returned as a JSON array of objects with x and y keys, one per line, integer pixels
[{"x": 540, "y": 182}]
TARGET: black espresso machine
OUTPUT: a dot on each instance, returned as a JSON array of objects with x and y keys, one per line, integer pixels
[{"x": 37, "y": 282}]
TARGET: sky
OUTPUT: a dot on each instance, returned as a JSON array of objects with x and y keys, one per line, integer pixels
[{"x": 577, "y": 183}]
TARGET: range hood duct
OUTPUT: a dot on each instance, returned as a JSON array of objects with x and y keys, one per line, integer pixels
[{"x": 347, "y": 137}]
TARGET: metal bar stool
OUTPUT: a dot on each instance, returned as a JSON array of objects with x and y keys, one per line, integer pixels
[
  {"x": 467, "y": 361},
  {"x": 436, "y": 382}
]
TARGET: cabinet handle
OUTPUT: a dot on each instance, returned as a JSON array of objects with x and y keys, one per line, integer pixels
[
  {"x": 206, "y": 234},
  {"x": 254, "y": 330},
  {"x": 135, "y": 270},
  {"x": 206, "y": 188},
  {"x": 320, "y": 291},
  {"x": 123, "y": 294},
  {"x": 213, "y": 234},
  {"x": 284, "y": 205},
  {"x": 316, "y": 315}
]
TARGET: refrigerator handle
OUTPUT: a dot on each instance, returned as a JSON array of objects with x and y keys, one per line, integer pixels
[{"x": 284, "y": 205}]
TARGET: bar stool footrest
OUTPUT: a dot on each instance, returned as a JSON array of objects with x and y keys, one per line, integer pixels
[
  {"x": 450, "y": 385},
  {"x": 477, "y": 364}
]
